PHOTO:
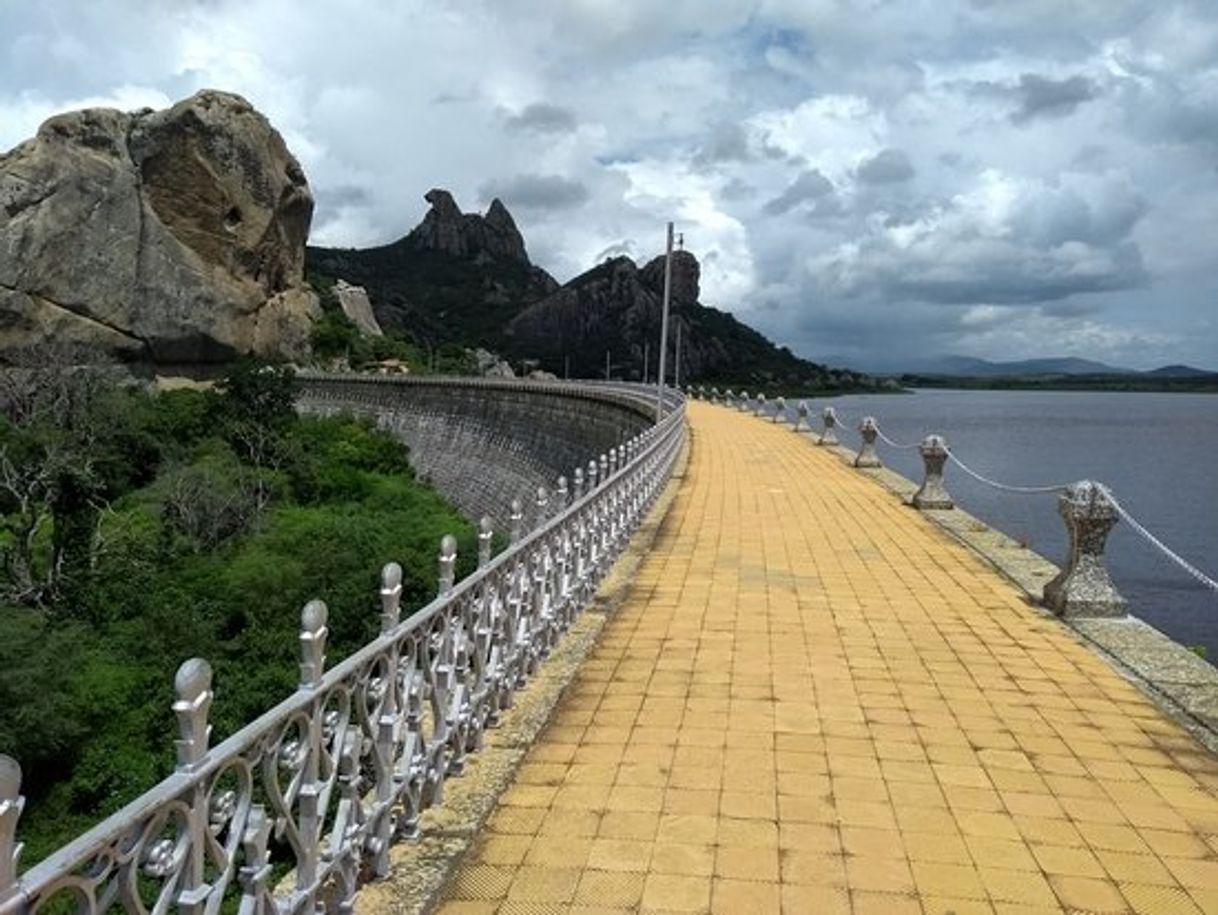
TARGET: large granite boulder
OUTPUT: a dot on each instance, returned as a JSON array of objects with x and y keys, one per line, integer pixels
[{"x": 169, "y": 238}]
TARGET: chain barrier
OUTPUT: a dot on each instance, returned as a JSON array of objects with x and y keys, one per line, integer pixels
[
  {"x": 898, "y": 445},
  {"x": 1026, "y": 490},
  {"x": 1159, "y": 544}
]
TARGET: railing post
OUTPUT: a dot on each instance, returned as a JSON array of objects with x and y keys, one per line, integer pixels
[
  {"x": 604, "y": 469},
  {"x": 1083, "y": 587},
  {"x": 760, "y": 405},
  {"x": 579, "y": 483},
  {"x": 486, "y": 533},
  {"x": 192, "y": 684},
  {"x": 867, "y": 456},
  {"x": 714, "y": 395},
  {"x": 744, "y": 401},
  {"x": 932, "y": 493},
  {"x": 313, "y": 633},
  {"x": 592, "y": 476},
  {"x": 11, "y": 805},
  {"x": 829, "y": 435},
  {"x": 801, "y": 418},
  {"x": 386, "y": 725},
  {"x": 612, "y": 461},
  {"x": 780, "y": 410},
  {"x": 541, "y": 506},
  {"x": 516, "y": 522},
  {"x": 561, "y": 495},
  {"x": 448, "y": 563}
]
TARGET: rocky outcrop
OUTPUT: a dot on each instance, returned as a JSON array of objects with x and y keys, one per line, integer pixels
[
  {"x": 447, "y": 230},
  {"x": 168, "y": 237},
  {"x": 354, "y": 302},
  {"x": 616, "y": 309}
]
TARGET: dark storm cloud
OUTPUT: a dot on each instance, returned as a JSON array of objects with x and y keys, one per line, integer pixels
[
  {"x": 889, "y": 166},
  {"x": 542, "y": 117},
  {"x": 1039, "y": 96},
  {"x": 810, "y": 185},
  {"x": 537, "y": 192}
]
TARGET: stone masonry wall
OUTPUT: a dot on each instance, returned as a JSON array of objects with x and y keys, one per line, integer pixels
[{"x": 484, "y": 442}]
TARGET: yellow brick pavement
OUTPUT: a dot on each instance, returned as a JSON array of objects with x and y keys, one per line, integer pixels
[{"x": 814, "y": 702}]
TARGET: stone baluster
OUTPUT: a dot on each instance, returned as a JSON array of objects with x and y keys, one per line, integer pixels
[
  {"x": 744, "y": 401},
  {"x": 867, "y": 457},
  {"x": 714, "y": 395},
  {"x": 579, "y": 483},
  {"x": 828, "y": 435},
  {"x": 1083, "y": 587},
  {"x": 604, "y": 469},
  {"x": 486, "y": 534},
  {"x": 516, "y": 522},
  {"x": 561, "y": 496},
  {"x": 761, "y": 405},
  {"x": 541, "y": 505},
  {"x": 612, "y": 461},
  {"x": 801, "y": 418},
  {"x": 11, "y": 805},
  {"x": 729, "y": 399},
  {"x": 593, "y": 474},
  {"x": 932, "y": 493},
  {"x": 780, "y": 410},
  {"x": 448, "y": 563}
]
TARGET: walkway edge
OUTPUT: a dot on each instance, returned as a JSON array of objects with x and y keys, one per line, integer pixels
[
  {"x": 1180, "y": 683},
  {"x": 422, "y": 869}
]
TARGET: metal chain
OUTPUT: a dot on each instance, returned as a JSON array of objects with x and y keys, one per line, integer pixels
[
  {"x": 1160, "y": 545},
  {"x": 1027, "y": 490},
  {"x": 890, "y": 442}
]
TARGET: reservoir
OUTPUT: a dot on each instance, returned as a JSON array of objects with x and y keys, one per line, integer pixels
[{"x": 1156, "y": 452}]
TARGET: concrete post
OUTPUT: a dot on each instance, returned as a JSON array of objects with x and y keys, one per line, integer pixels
[
  {"x": 829, "y": 435},
  {"x": 801, "y": 418},
  {"x": 542, "y": 505},
  {"x": 714, "y": 395},
  {"x": 760, "y": 406},
  {"x": 868, "y": 431},
  {"x": 593, "y": 474},
  {"x": 516, "y": 522},
  {"x": 744, "y": 401},
  {"x": 780, "y": 410},
  {"x": 1083, "y": 587},
  {"x": 560, "y": 495},
  {"x": 932, "y": 493},
  {"x": 448, "y": 563},
  {"x": 579, "y": 483}
]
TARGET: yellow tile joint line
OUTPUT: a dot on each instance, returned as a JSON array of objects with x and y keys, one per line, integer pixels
[{"x": 813, "y": 701}]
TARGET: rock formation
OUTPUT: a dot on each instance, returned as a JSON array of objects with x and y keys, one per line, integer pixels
[
  {"x": 173, "y": 237},
  {"x": 446, "y": 229},
  {"x": 356, "y": 306}
]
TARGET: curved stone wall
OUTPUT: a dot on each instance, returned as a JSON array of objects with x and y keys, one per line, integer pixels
[{"x": 483, "y": 442}]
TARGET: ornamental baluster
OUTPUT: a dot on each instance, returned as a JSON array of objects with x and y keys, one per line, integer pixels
[
  {"x": 192, "y": 684},
  {"x": 561, "y": 496},
  {"x": 11, "y": 805},
  {"x": 604, "y": 468},
  {"x": 387, "y": 722},
  {"x": 313, "y": 633},
  {"x": 868, "y": 431},
  {"x": 542, "y": 505},
  {"x": 564, "y": 573},
  {"x": 486, "y": 534},
  {"x": 255, "y": 874},
  {"x": 1083, "y": 587},
  {"x": 593, "y": 473},
  {"x": 516, "y": 522},
  {"x": 579, "y": 483},
  {"x": 932, "y": 493},
  {"x": 829, "y": 435},
  {"x": 345, "y": 835},
  {"x": 448, "y": 563}
]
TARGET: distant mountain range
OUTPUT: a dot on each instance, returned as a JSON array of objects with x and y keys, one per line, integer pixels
[{"x": 969, "y": 366}]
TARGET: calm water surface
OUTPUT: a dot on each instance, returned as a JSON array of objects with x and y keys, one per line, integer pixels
[{"x": 1155, "y": 451}]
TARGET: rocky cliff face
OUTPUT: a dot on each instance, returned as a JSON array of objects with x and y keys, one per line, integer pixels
[
  {"x": 173, "y": 237},
  {"x": 447, "y": 230}
]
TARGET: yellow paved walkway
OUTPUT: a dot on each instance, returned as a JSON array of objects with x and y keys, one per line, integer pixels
[{"x": 815, "y": 702}]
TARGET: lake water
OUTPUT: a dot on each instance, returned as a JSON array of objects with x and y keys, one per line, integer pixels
[{"x": 1157, "y": 453}]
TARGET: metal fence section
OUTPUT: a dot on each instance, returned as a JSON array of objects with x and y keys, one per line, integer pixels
[{"x": 327, "y": 781}]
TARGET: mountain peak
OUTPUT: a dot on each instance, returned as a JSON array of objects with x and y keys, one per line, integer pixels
[{"x": 446, "y": 229}]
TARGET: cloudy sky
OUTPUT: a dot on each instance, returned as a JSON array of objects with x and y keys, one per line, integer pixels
[{"x": 869, "y": 180}]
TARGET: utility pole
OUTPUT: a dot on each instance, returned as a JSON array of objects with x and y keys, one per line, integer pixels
[
  {"x": 646, "y": 359},
  {"x": 676, "y": 369},
  {"x": 664, "y": 325}
]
